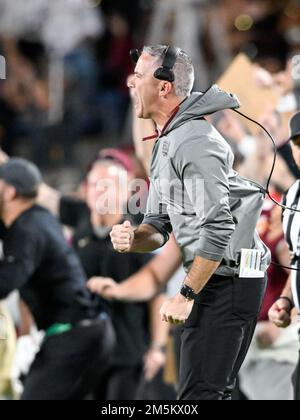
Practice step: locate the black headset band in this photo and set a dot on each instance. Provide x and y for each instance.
(170, 57)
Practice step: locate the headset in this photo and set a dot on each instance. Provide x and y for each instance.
(165, 72)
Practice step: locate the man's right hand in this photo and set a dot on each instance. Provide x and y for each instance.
(122, 237)
(280, 313)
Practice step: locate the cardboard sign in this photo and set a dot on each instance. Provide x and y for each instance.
(241, 79)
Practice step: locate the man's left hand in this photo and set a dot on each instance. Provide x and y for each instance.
(176, 310)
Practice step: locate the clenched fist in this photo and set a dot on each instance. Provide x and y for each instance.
(122, 237)
(280, 313)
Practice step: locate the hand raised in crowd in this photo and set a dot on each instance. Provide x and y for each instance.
(122, 237)
(282, 83)
(231, 127)
(281, 314)
(154, 360)
(104, 286)
(263, 78)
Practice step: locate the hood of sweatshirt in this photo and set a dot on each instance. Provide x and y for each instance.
(199, 105)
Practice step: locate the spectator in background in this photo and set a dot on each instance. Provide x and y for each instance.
(138, 327)
(24, 102)
(258, 163)
(115, 68)
(125, 8)
(51, 281)
(137, 330)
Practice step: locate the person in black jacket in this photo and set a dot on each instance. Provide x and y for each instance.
(39, 263)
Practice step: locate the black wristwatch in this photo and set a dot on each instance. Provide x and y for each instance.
(188, 292)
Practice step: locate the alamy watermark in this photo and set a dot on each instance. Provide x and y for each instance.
(174, 197)
(296, 67)
(3, 327)
(2, 68)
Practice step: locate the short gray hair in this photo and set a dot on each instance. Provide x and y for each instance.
(183, 69)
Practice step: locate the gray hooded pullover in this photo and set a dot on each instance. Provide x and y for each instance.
(195, 192)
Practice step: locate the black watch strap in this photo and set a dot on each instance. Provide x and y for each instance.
(188, 292)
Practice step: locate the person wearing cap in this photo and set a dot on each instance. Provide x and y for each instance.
(39, 263)
(282, 310)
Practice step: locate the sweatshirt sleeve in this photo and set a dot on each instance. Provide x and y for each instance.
(156, 214)
(203, 166)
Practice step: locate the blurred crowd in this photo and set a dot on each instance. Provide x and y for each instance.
(66, 89)
(61, 90)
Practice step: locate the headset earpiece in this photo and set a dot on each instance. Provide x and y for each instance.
(165, 72)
